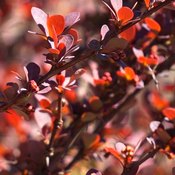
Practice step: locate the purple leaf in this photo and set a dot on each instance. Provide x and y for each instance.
(33, 71)
(72, 18)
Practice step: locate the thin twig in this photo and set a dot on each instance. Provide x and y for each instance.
(57, 123)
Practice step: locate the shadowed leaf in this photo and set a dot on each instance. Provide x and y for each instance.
(33, 71)
(114, 44)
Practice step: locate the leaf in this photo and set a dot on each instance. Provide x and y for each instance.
(137, 52)
(147, 61)
(93, 172)
(120, 147)
(40, 18)
(169, 113)
(94, 45)
(152, 24)
(44, 102)
(116, 4)
(114, 44)
(129, 34)
(72, 18)
(55, 25)
(147, 3)
(67, 40)
(154, 125)
(60, 79)
(74, 34)
(33, 71)
(125, 14)
(104, 31)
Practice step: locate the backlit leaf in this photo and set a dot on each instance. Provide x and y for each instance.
(152, 24)
(125, 14)
(147, 3)
(169, 113)
(55, 25)
(129, 34)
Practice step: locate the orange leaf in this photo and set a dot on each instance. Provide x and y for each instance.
(169, 113)
(130, 74)
(127, 73)
(147, 3)
(55, 25)
(157, 101)
(125, 14)
(152, 24)
(129, 34)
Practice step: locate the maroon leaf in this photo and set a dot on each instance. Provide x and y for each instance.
(33, 71)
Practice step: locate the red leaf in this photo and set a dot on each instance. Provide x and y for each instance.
(125, 14)
(169, 113)
(60, 79)
(73, 33)
(152, 24)
(55, 25)
(147, 61)
(129, 34)
(147, 3)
